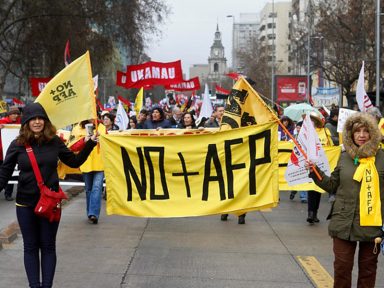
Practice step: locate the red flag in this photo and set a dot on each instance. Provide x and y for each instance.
(99, 104)
(37, 85)
(221, 90)
(234, 75)
(125, 101)
(67, 54)
(154, 73)
(17, 101)
(185, 85)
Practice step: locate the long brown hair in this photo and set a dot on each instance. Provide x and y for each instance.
(26, 136)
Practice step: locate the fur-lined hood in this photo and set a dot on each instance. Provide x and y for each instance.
(368, 149)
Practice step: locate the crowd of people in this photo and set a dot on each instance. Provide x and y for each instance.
(361, 139)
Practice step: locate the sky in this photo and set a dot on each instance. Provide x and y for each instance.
(188, 32)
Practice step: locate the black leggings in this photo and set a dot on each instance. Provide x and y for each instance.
(38, 235)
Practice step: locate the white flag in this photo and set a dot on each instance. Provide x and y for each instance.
(206, 107)
(122, 119)
(310, 144)
(362, 98)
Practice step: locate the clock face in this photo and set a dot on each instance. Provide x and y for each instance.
(216, 52)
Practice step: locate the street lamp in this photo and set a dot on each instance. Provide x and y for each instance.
(233, 41)
(273, 53)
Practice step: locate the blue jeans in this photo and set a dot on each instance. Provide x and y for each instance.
(303, 196)
(39, 235)
(93, 188)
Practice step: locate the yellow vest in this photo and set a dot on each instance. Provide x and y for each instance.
(94, 161)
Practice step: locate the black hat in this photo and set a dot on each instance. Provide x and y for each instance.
(32, 111)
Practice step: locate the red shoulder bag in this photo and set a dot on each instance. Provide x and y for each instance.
(49, 205)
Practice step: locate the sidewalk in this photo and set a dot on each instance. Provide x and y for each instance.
(204, 252)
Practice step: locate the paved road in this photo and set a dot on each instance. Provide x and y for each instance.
(129, 252)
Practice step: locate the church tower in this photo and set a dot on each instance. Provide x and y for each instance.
(217, 61)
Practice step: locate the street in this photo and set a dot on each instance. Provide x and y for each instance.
(132, 252)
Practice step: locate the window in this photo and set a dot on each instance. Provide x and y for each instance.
(215, 67)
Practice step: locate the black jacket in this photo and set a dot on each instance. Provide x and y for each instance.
(47, 156)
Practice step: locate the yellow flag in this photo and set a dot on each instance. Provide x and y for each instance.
(139, 101)
(245, 107)
(69, 97)
(3, 107)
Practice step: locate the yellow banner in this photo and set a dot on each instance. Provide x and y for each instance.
(245, 107)
(285, 150)
(69, 97)
(191, 175)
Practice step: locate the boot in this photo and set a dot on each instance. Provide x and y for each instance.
(311, 218)
(315, 219)
(224, 217)
(241, 219)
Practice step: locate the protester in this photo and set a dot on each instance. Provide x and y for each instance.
(289, 125)
(357, 201)
(39, 235)
(187, 121)
(157, 120)
(109, 122)
(141, 118)
(331, 125)
(215, 121)
(132, 122)
(303, 194)
(175, 118)
(93, 172)
(13, 117)
(314, 197)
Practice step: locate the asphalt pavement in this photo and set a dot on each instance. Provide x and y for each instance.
(130, 252)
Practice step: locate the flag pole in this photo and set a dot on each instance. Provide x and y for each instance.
(288, 133)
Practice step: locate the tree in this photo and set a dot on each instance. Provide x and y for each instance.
(258, 67)
(33, 34)
(347, 32)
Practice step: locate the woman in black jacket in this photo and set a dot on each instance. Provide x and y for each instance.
(39, 235)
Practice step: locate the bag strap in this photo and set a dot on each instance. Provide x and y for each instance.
(36, 169)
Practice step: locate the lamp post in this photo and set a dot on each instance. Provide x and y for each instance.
(378, 53)
(233, 41)
(309, 51)
(273, 53)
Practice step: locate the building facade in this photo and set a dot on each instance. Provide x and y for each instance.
(245, 30)
(274, 34)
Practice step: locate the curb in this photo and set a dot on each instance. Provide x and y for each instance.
(9, 233)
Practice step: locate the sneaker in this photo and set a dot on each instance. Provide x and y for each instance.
(304, 201)
(93, 219)
(9, 198)
(292, 195)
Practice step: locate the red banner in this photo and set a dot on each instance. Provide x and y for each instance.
(186, 85)
(154, 73)
(221, 90)
(37, 85)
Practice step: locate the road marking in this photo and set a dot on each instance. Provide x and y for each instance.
(318, 275)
